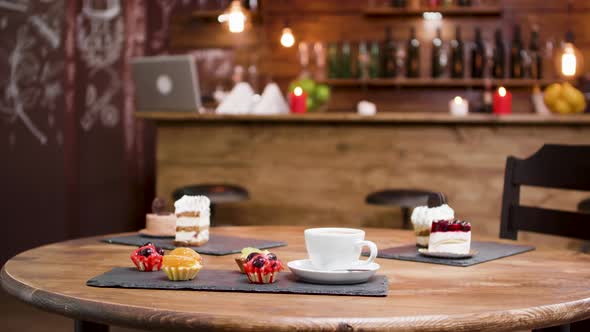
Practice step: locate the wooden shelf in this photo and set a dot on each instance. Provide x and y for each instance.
(445, 11)
(435, 82)
(207, 14)
(382, 117)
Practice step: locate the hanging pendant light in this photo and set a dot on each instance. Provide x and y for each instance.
(287, 37)
(569, 61)
(236, 16)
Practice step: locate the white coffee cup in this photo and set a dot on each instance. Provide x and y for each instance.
(337, 248)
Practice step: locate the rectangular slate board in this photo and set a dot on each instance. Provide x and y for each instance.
(487, 251)
(218, 245)
(233, 281)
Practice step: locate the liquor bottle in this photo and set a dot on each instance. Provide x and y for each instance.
(499, 57)
(487, 97)
(464, 3)
(516, 65)
(398, 3)
(333, 61)
(374, 60)
(536, 68)
(437, 54)
(413, 55)
(362, 68)
(457, 63)
(477, 56)
(388, 51)
(345, 61)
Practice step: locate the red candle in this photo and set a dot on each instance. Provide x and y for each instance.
(502, 101)
(298, 100)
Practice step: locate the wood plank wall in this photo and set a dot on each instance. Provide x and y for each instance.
(319, 174)
(333, 20)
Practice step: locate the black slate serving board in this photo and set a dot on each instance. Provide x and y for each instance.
(487, 251)
(233, 281)
(218, 245)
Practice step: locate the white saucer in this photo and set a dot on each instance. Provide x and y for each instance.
(303, 270)
(438, 254)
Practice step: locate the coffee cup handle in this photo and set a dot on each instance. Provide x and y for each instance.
(372, 248)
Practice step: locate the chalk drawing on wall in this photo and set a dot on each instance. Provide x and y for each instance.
(100, 41)
(32, 82)
(100, 104)
(158, 39)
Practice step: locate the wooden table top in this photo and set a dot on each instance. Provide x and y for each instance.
(540, 288)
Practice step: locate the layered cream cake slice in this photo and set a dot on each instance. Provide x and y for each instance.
(192, 221)
(450, 236)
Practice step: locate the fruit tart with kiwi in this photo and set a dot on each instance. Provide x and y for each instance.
(148, 258)
(263, 268)
(182, 264)
(247, 254)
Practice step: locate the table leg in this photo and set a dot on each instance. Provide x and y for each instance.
(560, 328)
(85, 326)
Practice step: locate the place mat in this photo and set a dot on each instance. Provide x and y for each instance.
(218, 245)
(487, 251)
(233, 281)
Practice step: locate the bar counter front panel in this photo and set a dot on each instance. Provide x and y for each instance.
(317, 169)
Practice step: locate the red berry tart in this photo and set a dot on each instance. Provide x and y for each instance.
(262, 268)
(148, 257)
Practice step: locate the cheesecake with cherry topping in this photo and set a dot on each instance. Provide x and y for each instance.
(450, 236)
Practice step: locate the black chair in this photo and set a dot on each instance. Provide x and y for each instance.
(217, 193)
(584, 206)
(405, 199)
(553, 166)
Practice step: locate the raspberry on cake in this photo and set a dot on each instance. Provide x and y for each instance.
(247, 254)
(450, 236)
(148, 257)
(262, 268)
(192, 221)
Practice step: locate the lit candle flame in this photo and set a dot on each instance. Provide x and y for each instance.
(298, 91)
(458, 100)
(502, 91)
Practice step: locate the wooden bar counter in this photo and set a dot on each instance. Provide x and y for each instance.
(316, 169)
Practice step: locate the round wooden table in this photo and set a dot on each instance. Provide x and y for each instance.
(531, 290)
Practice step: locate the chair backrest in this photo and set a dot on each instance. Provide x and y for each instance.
(553, 166)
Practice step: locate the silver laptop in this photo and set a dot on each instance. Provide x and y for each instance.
(166, 83)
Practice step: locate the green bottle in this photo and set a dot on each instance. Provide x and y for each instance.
(375, 60)
(346, 61)
(333, 61)
(363, 60)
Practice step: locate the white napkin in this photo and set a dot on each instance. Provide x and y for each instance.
(272, 101)
(238, 101)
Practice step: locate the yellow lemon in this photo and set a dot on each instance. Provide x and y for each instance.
(561, 106)
(552, 93)
(574, 97)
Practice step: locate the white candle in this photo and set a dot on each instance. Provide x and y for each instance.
(459, 106)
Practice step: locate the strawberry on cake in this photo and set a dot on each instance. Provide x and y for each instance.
(450, 236)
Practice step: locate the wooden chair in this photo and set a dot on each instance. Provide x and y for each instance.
(553, 166)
